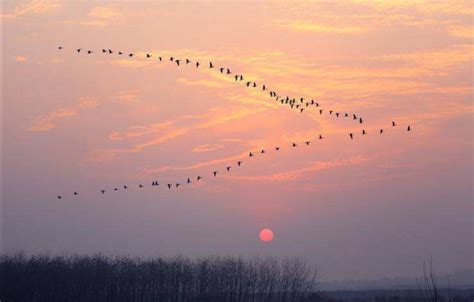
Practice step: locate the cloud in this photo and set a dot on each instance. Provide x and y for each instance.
(105, 12)
(20, 59)
(33, 7)
(207, 148)
(126, 95)
(48, 122)
(308, 26)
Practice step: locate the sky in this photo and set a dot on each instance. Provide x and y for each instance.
(375, 206)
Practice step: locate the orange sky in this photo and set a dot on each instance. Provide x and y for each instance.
(374, 206)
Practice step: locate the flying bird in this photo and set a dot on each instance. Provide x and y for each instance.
(320, 136)
(363, 132)
(263, 151)
(140, 186)
(215, 173)
(177, 62)
(294, 145)
(60, 47)
(189, 180)
(198, 178)
(59, 197)
(351, 135)
(197, 64)
(89, 51)
(115, 189)
(79, 49)
(169, 186)
(263, 87)
(228, 71)
(131, 55)
(120, 53)
(320, 111)
(222, 69)
(393, 124)
(75, 193)
(177, 184)
(148, 55)
(125, 187)
(409, 128)
(277, 148)
(188, 61)
(210, 65)
(110, 51)
(307, 143)
(381, 131)
(360, 120)
(250, 154)
(103, 191)
(228, 168)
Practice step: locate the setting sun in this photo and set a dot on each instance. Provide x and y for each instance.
(266, 235)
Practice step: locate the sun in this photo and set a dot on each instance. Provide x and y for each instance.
(266, 235)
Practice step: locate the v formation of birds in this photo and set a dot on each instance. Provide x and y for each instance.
(299, 104)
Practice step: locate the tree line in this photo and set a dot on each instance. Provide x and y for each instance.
(105, 278)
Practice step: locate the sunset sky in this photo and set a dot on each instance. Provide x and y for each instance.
(370, 207)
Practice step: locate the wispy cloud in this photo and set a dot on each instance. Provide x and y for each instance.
(32, 8)
(309, 26)
(20, 59)
(48, 121)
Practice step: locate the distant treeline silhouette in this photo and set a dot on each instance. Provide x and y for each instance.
(102, 278)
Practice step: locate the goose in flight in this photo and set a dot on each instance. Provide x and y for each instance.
(177, 62)
(131, 55)
(125, 187)
(148, 55)
(254, 84)
(236, 77)
(351, 135)
(330, 111)
(320, 136)
(171, 59)
(239, 163)
(263, 151)
(110, 51)
(263, 87)
(75, 193)
(393, 124)
(215, 173)
(360, 120)
(59, 197)
(177, 184)
(169, 186)
(89, 52)
(307, 143)
(354, 116)
(228, 71)
(160, 58)
(189, 180)
(210, 65)
(103, 191)
(294, 145)
(248, 84)
(104, 50)
(79, 49)
(188, 61)
(381, 131)
(198, 178)
(115, 189)
(228, 168)
(197, 64)
(222, 69)
(277, 148)
(301, 110)
(250, 154)
(409, 128)
(337, 114)
(363, 132)
(320, 111)
(120, 53)
(60, 47)
(140, 186)
(346, 114)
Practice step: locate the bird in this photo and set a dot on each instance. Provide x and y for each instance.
(263, 151)
(75, 193)
(125, 187)
(277, 148)
(355, 116)
(351, 135)
(250, 154)
(210, 65)
(294, 145)
(228, 71)
(393, 124)
(89, 51)
(189, 180)
(320, 111)
(160, 58)
(171, 59)
(222, 69)
(197, 64)
(228, 168)
(263, 87)
(360, 120)
(140, 186)
(148, 55)
(307, 143)
(241, 78)
(239, 163)
(236, 77)
(177, 62)
(330, 111)
(301, 110)
(320, 136)
(103, 191)
(120, 53)
(104, 50)
(188, 61)
(198, 178)
(115, 189)
(346, 114)
(59, 197)
(169, 186)
(409, 128)
(110, 51)
(177, 184)
(363, 132)
(254, 84)
(381, 131)
(337, 114)
(60, 47)
(248, 84)
(130, 55)
(79, 50)
(215, 173)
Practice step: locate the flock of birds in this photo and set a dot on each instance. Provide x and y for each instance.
(299, 104)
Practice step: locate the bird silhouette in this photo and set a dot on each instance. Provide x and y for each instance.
(250, 154)
(103, 191)
(171, 59)
(177, 184)
(222, 69)
(263, 87)
(169, 186)
(189, 180)
(239, 163)
(188, 61)
(198, 178)
(177, 62)
(409, 128)
(320, 136)
(228, 71)
(210, 65)
(59, 197)
(110, 51)
(236, 77)
(320, 111)
(307, 143)
(330, 111)
(89, 51)
(115, 189)
(104, 50)
(337, 114)
(277, 148)
(79, 50)
(228, 168)
(363, 132)
(75, 193)
(263, 151)
(346, 114)
(131, 55)
(160, 58)
(248, 84)
(393, 124)
(140, 186)
(125, 187)
(197, 64)
(215, 173)
(381, 131)
(60, 47)
(148, 55)
(254, 84)
(360, 120)
(120, 53)
(351, 135)
(301, 110)
(294, 145)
